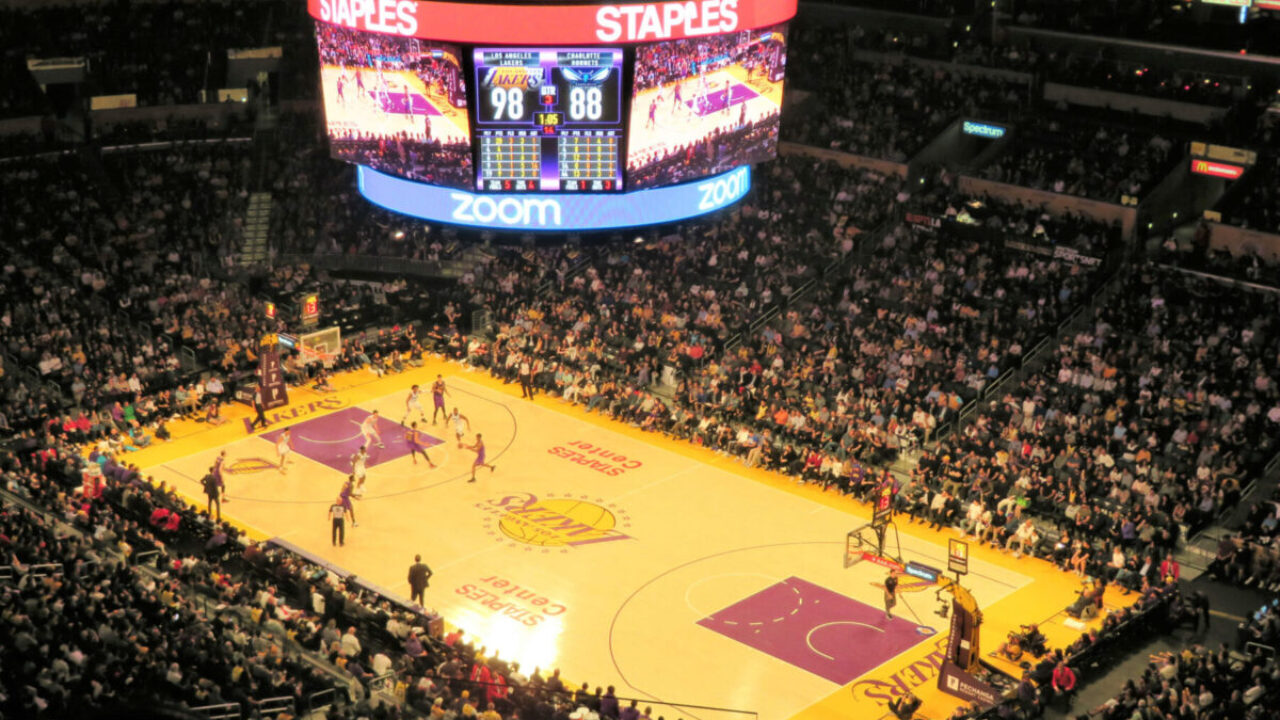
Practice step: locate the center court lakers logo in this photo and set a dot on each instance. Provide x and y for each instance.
(244, 466)
(562, 521)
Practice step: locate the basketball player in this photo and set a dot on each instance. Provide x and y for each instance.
(890, 595)
(677, 102)
(342, 88)
(653, 113)
(284, 445)
(417, 446)
(728, 95)
(344, 499)
(359, 468)
(460, 423)
(478, 448)
(369, 429)
(217, 474)
(438, 391)
(414, 403)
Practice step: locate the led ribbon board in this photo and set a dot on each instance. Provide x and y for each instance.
(554, 211)
(538, 24)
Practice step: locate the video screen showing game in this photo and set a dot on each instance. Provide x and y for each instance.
(549, 119)
(702, 106)
(396, 104)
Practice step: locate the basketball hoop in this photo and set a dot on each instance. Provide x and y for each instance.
(310, 356)
(853, 550)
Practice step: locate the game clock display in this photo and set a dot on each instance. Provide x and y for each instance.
(549, 119)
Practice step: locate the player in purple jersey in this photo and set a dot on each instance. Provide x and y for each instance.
(217, 473)
(478, 448)
(438, 391)
(417, 445)
(653, 112)
(678, 98)
(344, 498)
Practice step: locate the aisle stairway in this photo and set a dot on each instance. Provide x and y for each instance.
(257, 230)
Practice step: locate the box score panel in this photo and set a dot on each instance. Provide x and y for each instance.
(588, 160)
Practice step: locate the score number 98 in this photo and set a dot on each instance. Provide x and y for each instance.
(585, 103)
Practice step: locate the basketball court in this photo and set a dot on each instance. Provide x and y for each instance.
(700, 109)
(390, 103)
(621, 557)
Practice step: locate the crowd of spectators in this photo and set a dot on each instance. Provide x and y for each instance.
(1085, 160)
(101, 275)
(1154, 22)
(888, 109)
(1183, 85)
(1141, 427)
(1259, 208)
(119, 596)
(811, 332)
(118, 45)
(959, 43)
(1197, 683)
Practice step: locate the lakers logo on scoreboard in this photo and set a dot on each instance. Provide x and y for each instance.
(562, 521)
(524, 78)
(244, 466)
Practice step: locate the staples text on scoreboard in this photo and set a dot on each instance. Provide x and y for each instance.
(660, 21)
(551, 24)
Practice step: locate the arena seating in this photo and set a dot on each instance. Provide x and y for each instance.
(816, 333)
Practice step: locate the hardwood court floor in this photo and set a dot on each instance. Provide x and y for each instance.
(622, 557)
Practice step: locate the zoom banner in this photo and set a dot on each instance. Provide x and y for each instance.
(555, 211)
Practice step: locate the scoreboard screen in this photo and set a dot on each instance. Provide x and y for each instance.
(396, 104)
(549, 119)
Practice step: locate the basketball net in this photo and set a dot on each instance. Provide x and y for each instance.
(310, 356)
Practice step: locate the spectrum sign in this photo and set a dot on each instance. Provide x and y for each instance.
(554, 211)
(986, 130)
(1222, 170)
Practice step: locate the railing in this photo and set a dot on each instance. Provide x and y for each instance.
(45, 570)
(385, 682)
(368, 263)
(1256, 649)
(142, 557)
(322, 699)
(1004, 378)
(272, 706)
(226, 711)
(1271, 467)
